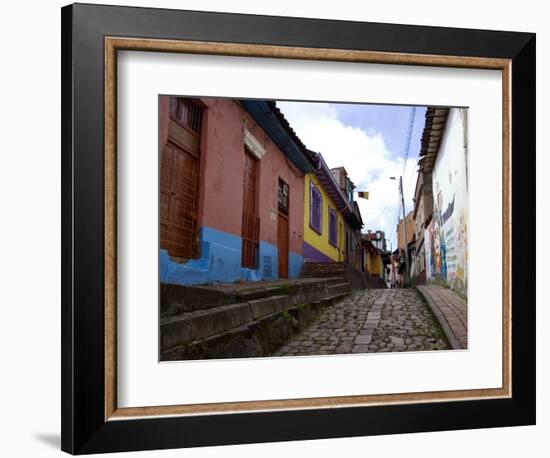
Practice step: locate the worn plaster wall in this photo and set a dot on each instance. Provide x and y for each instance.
(446, 238)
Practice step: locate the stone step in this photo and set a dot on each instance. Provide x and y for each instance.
(339, 288)
(326, 269)
(323, 269)
(332, 298)
(201, 316)
(260, 308)
(302, 290)
(259, 337)
(201, 324)
(258, 293)
(334, 280)
(198, 325)
(176, 299)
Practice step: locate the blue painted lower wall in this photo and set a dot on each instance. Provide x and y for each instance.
(295, 264)
(220, 261)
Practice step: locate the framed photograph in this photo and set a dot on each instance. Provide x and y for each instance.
(284, 228)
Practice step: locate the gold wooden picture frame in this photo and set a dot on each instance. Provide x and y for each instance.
(114, 44)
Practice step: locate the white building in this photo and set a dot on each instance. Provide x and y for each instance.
(444, 165)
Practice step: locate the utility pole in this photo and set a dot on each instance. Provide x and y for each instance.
(407, 277)
(408, 143)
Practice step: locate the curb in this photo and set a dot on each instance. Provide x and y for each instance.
(455, 344)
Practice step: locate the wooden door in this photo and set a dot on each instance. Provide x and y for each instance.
(179, 181)
(250, 222)
(178, 201)
(282, 245)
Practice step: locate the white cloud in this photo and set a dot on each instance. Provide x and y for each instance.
(365, 157)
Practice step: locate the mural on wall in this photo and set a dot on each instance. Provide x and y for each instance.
(461, 228)
(433, 258)
(446, 245)
(436, 248)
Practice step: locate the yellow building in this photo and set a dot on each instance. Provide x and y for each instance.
(372, 259)
(323, 224)
(327, 213)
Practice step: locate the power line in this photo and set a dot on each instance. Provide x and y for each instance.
(408, 179)
(401, 205)
(412, 114)
(408, 138)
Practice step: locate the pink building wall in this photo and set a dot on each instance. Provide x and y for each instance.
(222, 166)
(222, 173)
(272, 166)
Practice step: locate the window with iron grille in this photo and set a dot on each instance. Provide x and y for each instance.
(185, 113)
(315, 208)
(282, 196)
(332, 229)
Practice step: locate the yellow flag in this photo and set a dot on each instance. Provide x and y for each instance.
(363, 194)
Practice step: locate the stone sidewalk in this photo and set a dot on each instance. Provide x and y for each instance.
(375, 320)
(451, 311)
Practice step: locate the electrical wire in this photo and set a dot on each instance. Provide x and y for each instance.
(412, 115)
(408, 179)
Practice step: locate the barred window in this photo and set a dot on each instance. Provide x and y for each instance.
(282, 194)
(186, 113)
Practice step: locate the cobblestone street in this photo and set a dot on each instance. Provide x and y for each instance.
(374, 320)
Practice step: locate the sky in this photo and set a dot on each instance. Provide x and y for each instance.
(370, 142)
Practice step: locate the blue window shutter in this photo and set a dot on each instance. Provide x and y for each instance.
(319, 210)
(315, 208)
(311, 206)
(332, 226)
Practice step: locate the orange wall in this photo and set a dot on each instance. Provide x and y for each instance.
(410, 231)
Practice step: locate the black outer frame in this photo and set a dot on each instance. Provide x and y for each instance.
(84, 429)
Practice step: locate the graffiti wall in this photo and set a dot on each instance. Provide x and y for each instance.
(446, 237)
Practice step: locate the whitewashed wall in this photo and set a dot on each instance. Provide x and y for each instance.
(447, 235)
